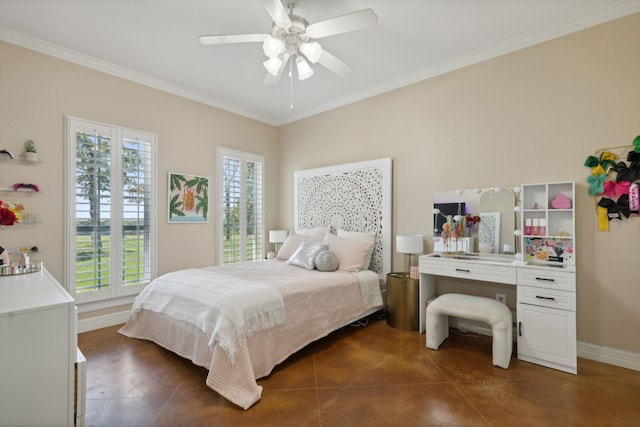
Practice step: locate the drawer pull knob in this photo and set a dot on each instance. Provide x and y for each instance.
(462, 270)
(547, 298)
(545, 279)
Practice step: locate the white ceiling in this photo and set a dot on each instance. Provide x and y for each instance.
(154, 42)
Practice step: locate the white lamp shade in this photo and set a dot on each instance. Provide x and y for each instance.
(410, 244)
(272, 47)
(312, 51)
(277, 236)
(273, 65)
(304, 69)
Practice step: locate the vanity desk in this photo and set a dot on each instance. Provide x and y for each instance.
(535, 223)
(546, 301)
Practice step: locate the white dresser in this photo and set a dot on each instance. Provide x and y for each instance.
(38, 350)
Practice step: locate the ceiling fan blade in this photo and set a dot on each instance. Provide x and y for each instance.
(342, 24)
(230, 38)
(335, 65)
(270, 79)
(277, 12)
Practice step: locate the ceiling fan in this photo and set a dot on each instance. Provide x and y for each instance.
(291, 40)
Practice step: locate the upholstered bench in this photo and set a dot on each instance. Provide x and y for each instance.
(485, 310)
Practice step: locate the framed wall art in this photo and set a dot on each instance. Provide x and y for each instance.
(188, 198)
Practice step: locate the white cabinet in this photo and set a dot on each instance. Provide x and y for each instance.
(547, 336)
(38, 350)
(546, 307)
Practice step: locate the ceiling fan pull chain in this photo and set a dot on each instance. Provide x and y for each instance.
(290, 85)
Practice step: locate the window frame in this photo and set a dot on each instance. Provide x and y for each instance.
(115, 293)
(245, 157)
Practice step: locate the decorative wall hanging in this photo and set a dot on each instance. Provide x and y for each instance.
(188, 198)
(615, 174)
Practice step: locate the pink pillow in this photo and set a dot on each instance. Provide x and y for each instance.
(351, 253)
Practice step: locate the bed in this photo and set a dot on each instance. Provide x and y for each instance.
(283, 304)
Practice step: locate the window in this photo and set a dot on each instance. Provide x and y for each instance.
(240, 218)
(110, 218)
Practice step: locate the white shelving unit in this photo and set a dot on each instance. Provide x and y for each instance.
(547, 283)
(557, 243)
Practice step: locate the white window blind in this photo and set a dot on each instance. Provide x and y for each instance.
(241, 221)
(110, 221)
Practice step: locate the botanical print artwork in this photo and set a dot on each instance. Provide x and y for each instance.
(188, 198)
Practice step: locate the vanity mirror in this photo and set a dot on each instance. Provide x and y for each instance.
(494, 233)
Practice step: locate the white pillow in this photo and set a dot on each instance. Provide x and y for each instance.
(306, 253)
(291, 244)
(350, 252)
(362, 235)
(317, 231)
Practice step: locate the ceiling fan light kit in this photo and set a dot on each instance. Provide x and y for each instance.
(272, 46)
(312, 50)
(291, 35)
(304, 69)
(273, 65)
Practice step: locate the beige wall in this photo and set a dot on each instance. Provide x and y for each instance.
(530, 116)
(527, 117)
(37, 91)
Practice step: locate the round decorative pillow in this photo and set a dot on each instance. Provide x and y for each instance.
(326, 261)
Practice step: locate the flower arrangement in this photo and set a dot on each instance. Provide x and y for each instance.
(7, 214)
(459, 226)
(472, 219)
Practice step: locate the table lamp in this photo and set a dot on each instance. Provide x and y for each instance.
(410, 244)
(278, 237)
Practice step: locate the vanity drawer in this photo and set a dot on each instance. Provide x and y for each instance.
(547, 297)
(547, 278)
(468, 270)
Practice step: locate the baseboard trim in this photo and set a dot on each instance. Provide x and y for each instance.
(611, 356)
(103, 321)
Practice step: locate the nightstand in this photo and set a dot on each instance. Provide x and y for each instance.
(402, 301)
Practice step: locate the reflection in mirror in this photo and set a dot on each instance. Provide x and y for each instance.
(495, 207)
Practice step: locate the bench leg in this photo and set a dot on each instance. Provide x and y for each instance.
(437, 329)
(502, 346)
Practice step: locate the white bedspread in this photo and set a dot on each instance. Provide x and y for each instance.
(316, 304)
(226, 308)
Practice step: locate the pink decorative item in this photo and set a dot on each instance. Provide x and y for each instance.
(561, 202)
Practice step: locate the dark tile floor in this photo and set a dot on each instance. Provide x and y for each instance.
(358, 376)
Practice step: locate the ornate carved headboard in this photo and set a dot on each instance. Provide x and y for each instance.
(353, 197)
